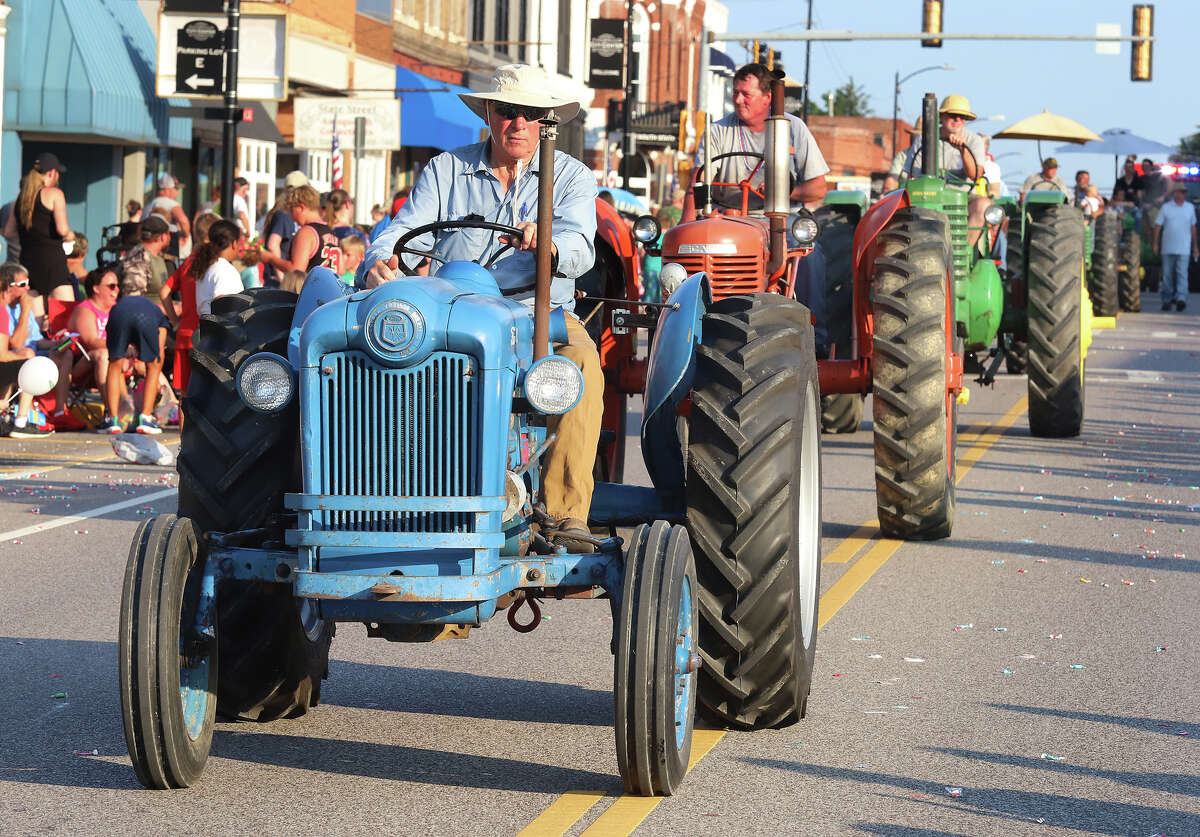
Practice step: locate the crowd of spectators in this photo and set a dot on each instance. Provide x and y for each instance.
(173, 265)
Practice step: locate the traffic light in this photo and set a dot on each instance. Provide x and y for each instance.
(931, 22)
(762, 53)
(776, 60)
(1141, 60)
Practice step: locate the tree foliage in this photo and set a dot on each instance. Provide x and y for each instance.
(1189, 146)
(848, 100)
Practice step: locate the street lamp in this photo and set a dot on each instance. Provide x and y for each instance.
(896, 96)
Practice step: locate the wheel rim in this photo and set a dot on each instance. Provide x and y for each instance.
(194, 671)
(809, 501)
(685, 678)
(311, 620)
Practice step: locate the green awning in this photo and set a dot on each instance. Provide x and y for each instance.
(86, 67)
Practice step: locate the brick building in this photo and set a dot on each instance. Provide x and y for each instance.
(857, 145)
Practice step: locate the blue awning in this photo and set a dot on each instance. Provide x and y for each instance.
(86, 67)
(437, 119)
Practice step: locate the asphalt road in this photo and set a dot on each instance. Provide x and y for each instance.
(1034, 674)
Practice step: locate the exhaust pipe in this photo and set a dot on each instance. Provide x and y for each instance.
(545, 224)
(931, 134)
(778, 176)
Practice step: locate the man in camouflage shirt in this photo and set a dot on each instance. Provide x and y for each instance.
(144, 270)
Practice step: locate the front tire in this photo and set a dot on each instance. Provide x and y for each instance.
(1056, 237)
(914, 410)
(167, 669)
(654, 679)
(754, 509)
(234, 467)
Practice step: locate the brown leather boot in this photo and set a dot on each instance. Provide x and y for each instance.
(572, 534)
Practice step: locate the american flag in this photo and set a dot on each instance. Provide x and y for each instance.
(336, 176)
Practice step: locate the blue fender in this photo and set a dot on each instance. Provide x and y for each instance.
(669, 374)
(321, 285)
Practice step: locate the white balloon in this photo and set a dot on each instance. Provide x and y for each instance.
(38, 376)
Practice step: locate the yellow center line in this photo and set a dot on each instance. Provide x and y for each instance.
(628, 812)
(848, 548)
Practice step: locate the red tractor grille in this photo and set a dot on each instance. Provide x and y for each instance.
(729, 275)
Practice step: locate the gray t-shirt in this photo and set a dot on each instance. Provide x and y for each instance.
(730, 134)
(951, 158)
(1040, 183)
(163, 207)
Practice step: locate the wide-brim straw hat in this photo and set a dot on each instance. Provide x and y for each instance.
(520, 84)
(956, 105)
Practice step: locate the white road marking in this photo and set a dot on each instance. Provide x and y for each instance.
(1136, 375)
(1165, 335)
(56, 522)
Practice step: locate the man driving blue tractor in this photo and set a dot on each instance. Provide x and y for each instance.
(496, 180)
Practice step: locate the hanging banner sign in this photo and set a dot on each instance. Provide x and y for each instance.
(607, 53)
(315, 120)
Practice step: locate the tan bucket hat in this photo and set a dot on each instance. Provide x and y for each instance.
(520, 84)
(956, 105)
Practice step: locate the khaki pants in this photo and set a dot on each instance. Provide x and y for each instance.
(567, 470)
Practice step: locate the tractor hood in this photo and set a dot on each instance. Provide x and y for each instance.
(404, 321)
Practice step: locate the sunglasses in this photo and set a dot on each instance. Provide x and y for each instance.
(24, 283)
(506, 111)
(112, 286)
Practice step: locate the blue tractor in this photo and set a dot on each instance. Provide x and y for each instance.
(385, 471)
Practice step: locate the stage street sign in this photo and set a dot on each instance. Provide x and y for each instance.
(200, 59)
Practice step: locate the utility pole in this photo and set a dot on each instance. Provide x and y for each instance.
(626, 132)
(807, 60)
(229, 129)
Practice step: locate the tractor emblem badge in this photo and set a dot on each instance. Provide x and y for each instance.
(395, 330)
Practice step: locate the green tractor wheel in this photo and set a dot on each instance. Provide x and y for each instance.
(914, 412)
(841, 412)
(234, 467)
(1056, 237)
(1103, 287)
(1129, 275)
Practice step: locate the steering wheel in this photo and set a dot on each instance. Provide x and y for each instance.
(727, 154)
(437, 226)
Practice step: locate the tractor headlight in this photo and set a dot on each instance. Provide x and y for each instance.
(646, 229)
(265, 383)
(670, 277)
(553, 385)
(804, 229)
(993, 214)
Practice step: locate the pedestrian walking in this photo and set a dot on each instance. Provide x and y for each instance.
(166, 206)
(1175, 239)
(39, 220)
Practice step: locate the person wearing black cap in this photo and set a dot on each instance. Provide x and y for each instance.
(39, 219)
(144, 269)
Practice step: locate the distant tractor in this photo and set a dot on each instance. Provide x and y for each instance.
(374, 457)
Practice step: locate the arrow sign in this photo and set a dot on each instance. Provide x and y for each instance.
(200, 58)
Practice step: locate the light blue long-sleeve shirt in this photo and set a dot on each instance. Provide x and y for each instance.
(460, 182)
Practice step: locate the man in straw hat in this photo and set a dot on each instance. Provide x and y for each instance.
(496, 180)
(961, 152)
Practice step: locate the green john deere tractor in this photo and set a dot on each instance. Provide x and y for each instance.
(928, 304)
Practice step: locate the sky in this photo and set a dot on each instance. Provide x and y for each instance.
(1013, 79)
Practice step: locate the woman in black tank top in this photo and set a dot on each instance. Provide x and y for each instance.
(39, 219)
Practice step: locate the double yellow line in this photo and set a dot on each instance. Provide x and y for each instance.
(626, 813)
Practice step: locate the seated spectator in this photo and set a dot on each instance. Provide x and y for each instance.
(212, 266)
(20, 323)
(377, 214)
(144, 268)
(353, 249)
(293, 281)
(75, 262)
(14, 286)
(90, 319)
(137, 329)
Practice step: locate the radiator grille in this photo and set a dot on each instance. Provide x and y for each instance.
(399, 433)
(960, 249)
(729, 275)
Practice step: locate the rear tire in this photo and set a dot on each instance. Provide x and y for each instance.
(1129, 276)
(840, 412)
(1016, 346)
(234, 467)
(754, 509)
(1103, 287)
(914, 412)
(1056, 239)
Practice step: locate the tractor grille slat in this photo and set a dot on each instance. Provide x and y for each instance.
(399, 433)
(730, 275)
(960, 250)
